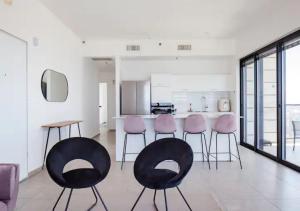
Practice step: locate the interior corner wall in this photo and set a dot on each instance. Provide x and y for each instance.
(273, 24)
(58, 48)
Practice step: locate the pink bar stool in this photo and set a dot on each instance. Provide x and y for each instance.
(133, 125)
(225, 125)
(196, 124)
(165, 124)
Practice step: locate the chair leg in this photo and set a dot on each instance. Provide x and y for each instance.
(60, 195)
(100, 198)
(68, 202)
(184, 198)
(206, 150)
(184, 136)
(229, 147)
(93, 205)
(173, 135)
(294, 143)
(166, 202)
(155, 136)
(202, 151)
(124, 151)
(154, 200)
(216, 150)
(211, 133)
(144, 135)
(138, 199)
(237, 148)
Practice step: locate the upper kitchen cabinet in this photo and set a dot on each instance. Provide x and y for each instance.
(203, 82)
(161, 88)
(161, 80)
(161, 94)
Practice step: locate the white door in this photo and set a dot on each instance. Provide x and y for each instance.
(13, 102)
(103, 103)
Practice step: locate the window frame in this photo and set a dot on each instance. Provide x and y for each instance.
(278, 45)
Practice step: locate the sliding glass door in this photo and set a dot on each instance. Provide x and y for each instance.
(267, 102)
(291, 72)
(248, 116)
(270, 101)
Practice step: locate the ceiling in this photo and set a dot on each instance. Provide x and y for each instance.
(157, 19)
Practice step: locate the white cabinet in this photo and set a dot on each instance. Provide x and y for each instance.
(204, 82)
(161, 94)
(161, 80)
(163, 85)
(161, 89)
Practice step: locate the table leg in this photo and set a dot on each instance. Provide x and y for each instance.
(79, 129)
(46, 147)
(70, 127)
(59, 135)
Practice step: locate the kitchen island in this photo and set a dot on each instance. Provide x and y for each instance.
(135, 142)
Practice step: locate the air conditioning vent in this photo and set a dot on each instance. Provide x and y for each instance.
(133, 48)
(185, 47)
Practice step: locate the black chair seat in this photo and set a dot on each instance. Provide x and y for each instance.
(80, 148)
(147, 173)
(74, 178)
(158, 178)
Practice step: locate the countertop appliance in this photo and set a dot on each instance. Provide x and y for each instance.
(135, 97)
(162, 108)
(224, 105)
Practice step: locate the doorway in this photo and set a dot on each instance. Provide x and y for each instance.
(13, 106)
(103, 104)
(107, 93)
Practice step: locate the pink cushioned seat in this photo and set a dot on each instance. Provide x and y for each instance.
(195, 123)
(134, 124)
(225, 124)
(165, 123)
(9, 186)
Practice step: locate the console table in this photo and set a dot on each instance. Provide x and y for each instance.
(59, 125)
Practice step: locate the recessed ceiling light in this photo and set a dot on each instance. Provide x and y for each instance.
(8, 2)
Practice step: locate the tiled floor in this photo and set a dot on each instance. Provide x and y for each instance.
(262, 185)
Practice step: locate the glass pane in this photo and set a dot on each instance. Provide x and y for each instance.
(249, 102)
(291, 61)
(267, 102)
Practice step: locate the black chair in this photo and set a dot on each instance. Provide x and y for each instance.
(78, 148)
(296, 130)
(149, 176)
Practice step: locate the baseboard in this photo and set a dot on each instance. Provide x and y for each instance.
(34, 172)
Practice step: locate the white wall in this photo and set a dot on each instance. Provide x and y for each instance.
(141, 68)
(201, 47)
(58, 49)
(90, 97)
(268, 27)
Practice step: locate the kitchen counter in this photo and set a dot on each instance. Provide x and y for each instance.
(182, 115)
(135, 142)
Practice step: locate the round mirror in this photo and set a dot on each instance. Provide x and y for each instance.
(54, 86)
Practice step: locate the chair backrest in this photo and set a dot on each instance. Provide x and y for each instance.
(195, 123)
(76, 148)
(161, 150)
(134, 124)
(165, 123)
(296, 128)
(225, 123)
(9, 184)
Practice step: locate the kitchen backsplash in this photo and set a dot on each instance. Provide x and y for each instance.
(182, 100)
